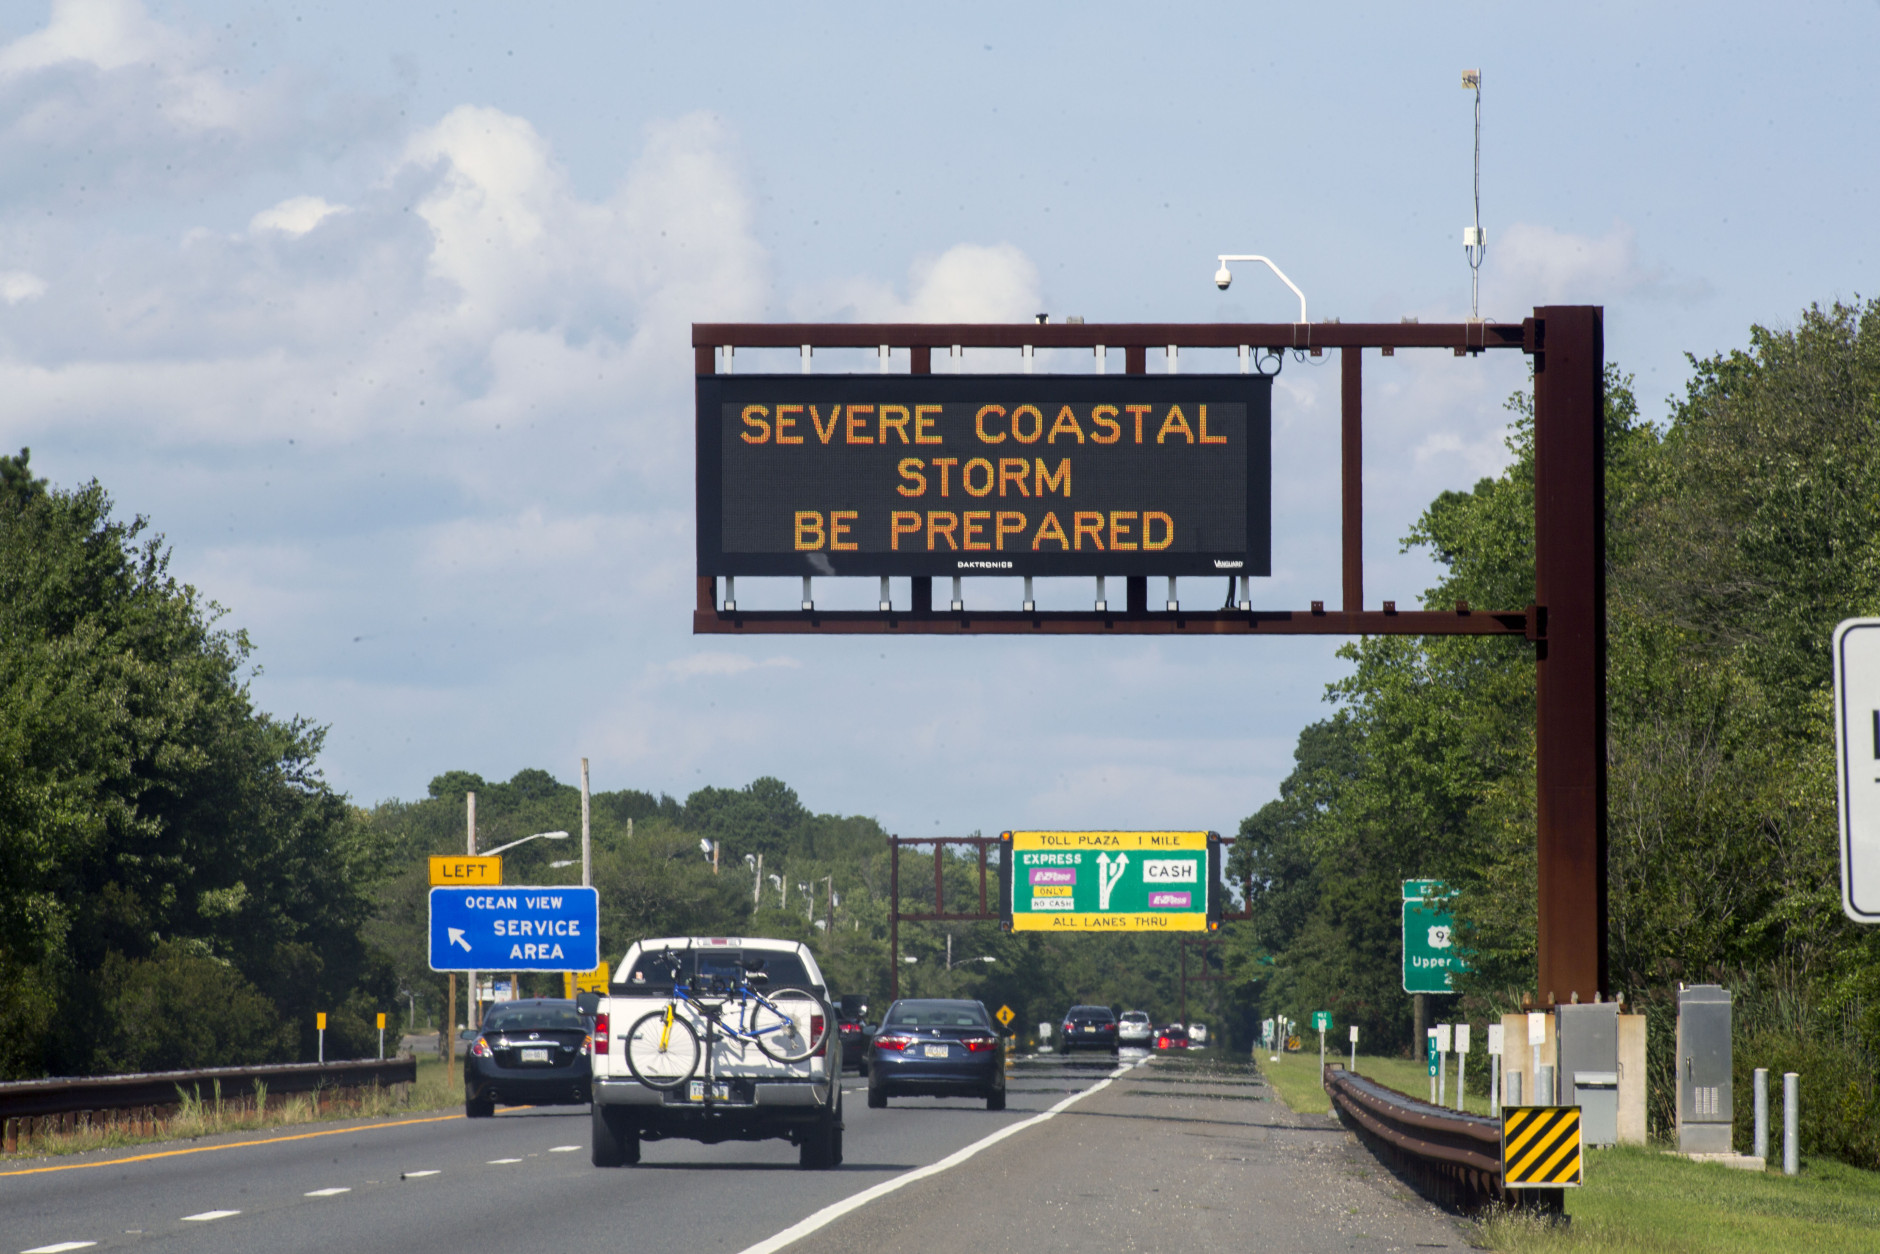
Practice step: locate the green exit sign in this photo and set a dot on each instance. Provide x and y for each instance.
(1322, 1020)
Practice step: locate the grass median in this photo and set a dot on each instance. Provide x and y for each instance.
(1641, 1200)
(191, 1119)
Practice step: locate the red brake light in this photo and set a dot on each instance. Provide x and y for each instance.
(480, 1048)
(896, 1043)
(815, 1027)
(600, 1034)
(980, 1044)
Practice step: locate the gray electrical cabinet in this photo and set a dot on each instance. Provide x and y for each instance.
(1588, 1070)
(1705, 1108)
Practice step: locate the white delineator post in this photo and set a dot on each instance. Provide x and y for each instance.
(1494, 1070)
(1321, 1057)
(1791, 1123)
(1462, 1062)
(1354, 1049)
(1537, 1030)
(1442, 1064)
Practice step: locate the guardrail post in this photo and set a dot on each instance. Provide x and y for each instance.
(1791, 1123)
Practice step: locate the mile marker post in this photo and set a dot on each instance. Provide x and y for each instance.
(319, 1023)
(1354, 1049)
(1442, 1063)
(1429, 1052)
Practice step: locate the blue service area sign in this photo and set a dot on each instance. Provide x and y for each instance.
(515, 929)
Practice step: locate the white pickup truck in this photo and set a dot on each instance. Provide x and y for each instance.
(717, 1038)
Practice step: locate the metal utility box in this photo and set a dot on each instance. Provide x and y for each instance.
(1589, 1047)
(1705, 1109)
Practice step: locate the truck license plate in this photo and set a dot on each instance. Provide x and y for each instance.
(535, 1055)
(936, 1051)
(720, 1091)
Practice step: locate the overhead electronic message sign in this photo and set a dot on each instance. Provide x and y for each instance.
(984, 475)
(1111, 881)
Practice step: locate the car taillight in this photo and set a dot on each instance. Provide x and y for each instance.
(896, 1043)
(1070, 1027)
(480, 1048)
(1161, 1042)
(980, 1044)
(815, 1027)
(600, 1034)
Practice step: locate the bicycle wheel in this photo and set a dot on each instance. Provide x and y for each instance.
(661, 1057)
(789, 1026)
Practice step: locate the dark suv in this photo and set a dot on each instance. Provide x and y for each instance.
(1089, 1027)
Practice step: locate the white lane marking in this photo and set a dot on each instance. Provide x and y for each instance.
(334, 1192)
(564, 1149)
(60, 1248)
(497, 1162)
(829, 1214)
(413, 1175)
(209, 1215)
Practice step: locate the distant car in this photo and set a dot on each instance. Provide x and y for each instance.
(1174, 1036)
(1135, 1029)
(533, 1052)
(855, 1033)
(937, 1048)
(1197, 1034)
(1089, 1027)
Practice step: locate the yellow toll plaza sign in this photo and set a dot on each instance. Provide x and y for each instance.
(594, 981)
(1005, 1016)
(462, 871)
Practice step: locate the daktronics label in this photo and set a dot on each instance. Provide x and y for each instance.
(984, 474)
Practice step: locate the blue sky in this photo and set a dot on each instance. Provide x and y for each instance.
(381, 314)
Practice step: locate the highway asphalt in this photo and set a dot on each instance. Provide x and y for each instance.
(439, 1182)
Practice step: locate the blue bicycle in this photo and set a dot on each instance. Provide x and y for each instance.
(663, 1049)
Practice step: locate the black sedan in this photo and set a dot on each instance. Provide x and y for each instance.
(1089, 1027)
(532, 1052)
(935, 1048)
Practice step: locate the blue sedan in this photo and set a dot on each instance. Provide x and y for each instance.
(935, 1048)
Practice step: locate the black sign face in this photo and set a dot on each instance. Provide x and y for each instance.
(984, 475)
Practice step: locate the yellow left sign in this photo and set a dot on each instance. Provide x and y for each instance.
(460, 869)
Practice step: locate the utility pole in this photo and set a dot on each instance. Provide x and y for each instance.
(587, 861)
(470, 993)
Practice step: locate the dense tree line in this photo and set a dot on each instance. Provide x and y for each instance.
(1739, 533)
(178, 886)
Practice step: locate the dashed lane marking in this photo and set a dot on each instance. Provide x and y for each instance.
(60, 1248)
(498, 1162)
(564, 1149)
(211, 1149)
(209, 1216)
(333, 1192)
(416, 1175)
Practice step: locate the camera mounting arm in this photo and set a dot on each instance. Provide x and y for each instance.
(1223, 276)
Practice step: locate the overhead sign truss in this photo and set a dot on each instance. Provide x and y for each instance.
(1564, 622)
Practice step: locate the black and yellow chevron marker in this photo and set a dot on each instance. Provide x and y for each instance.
(1540, 1147)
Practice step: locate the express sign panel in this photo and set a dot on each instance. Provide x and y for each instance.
(1110, 881)
(984, 475)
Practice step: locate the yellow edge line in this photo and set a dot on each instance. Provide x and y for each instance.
(205, 1149)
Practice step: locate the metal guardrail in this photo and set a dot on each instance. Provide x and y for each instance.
(1453, 1158)
(23, 1099)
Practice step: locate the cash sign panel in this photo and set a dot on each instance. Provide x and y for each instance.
(1110, 881)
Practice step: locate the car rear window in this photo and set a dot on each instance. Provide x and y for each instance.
(1091, 1014)
(533, 1019)
(652, 970)
(938, 1014)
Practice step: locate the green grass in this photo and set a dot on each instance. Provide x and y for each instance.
(1643, 1201)
(1296, 1078)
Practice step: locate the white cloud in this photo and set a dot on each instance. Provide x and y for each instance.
(722, 665)
(103, 34)
(966, 283)
(1540, 265)
(295, 216)
(18, 285)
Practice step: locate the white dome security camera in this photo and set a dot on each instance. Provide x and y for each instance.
(1222, 277)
